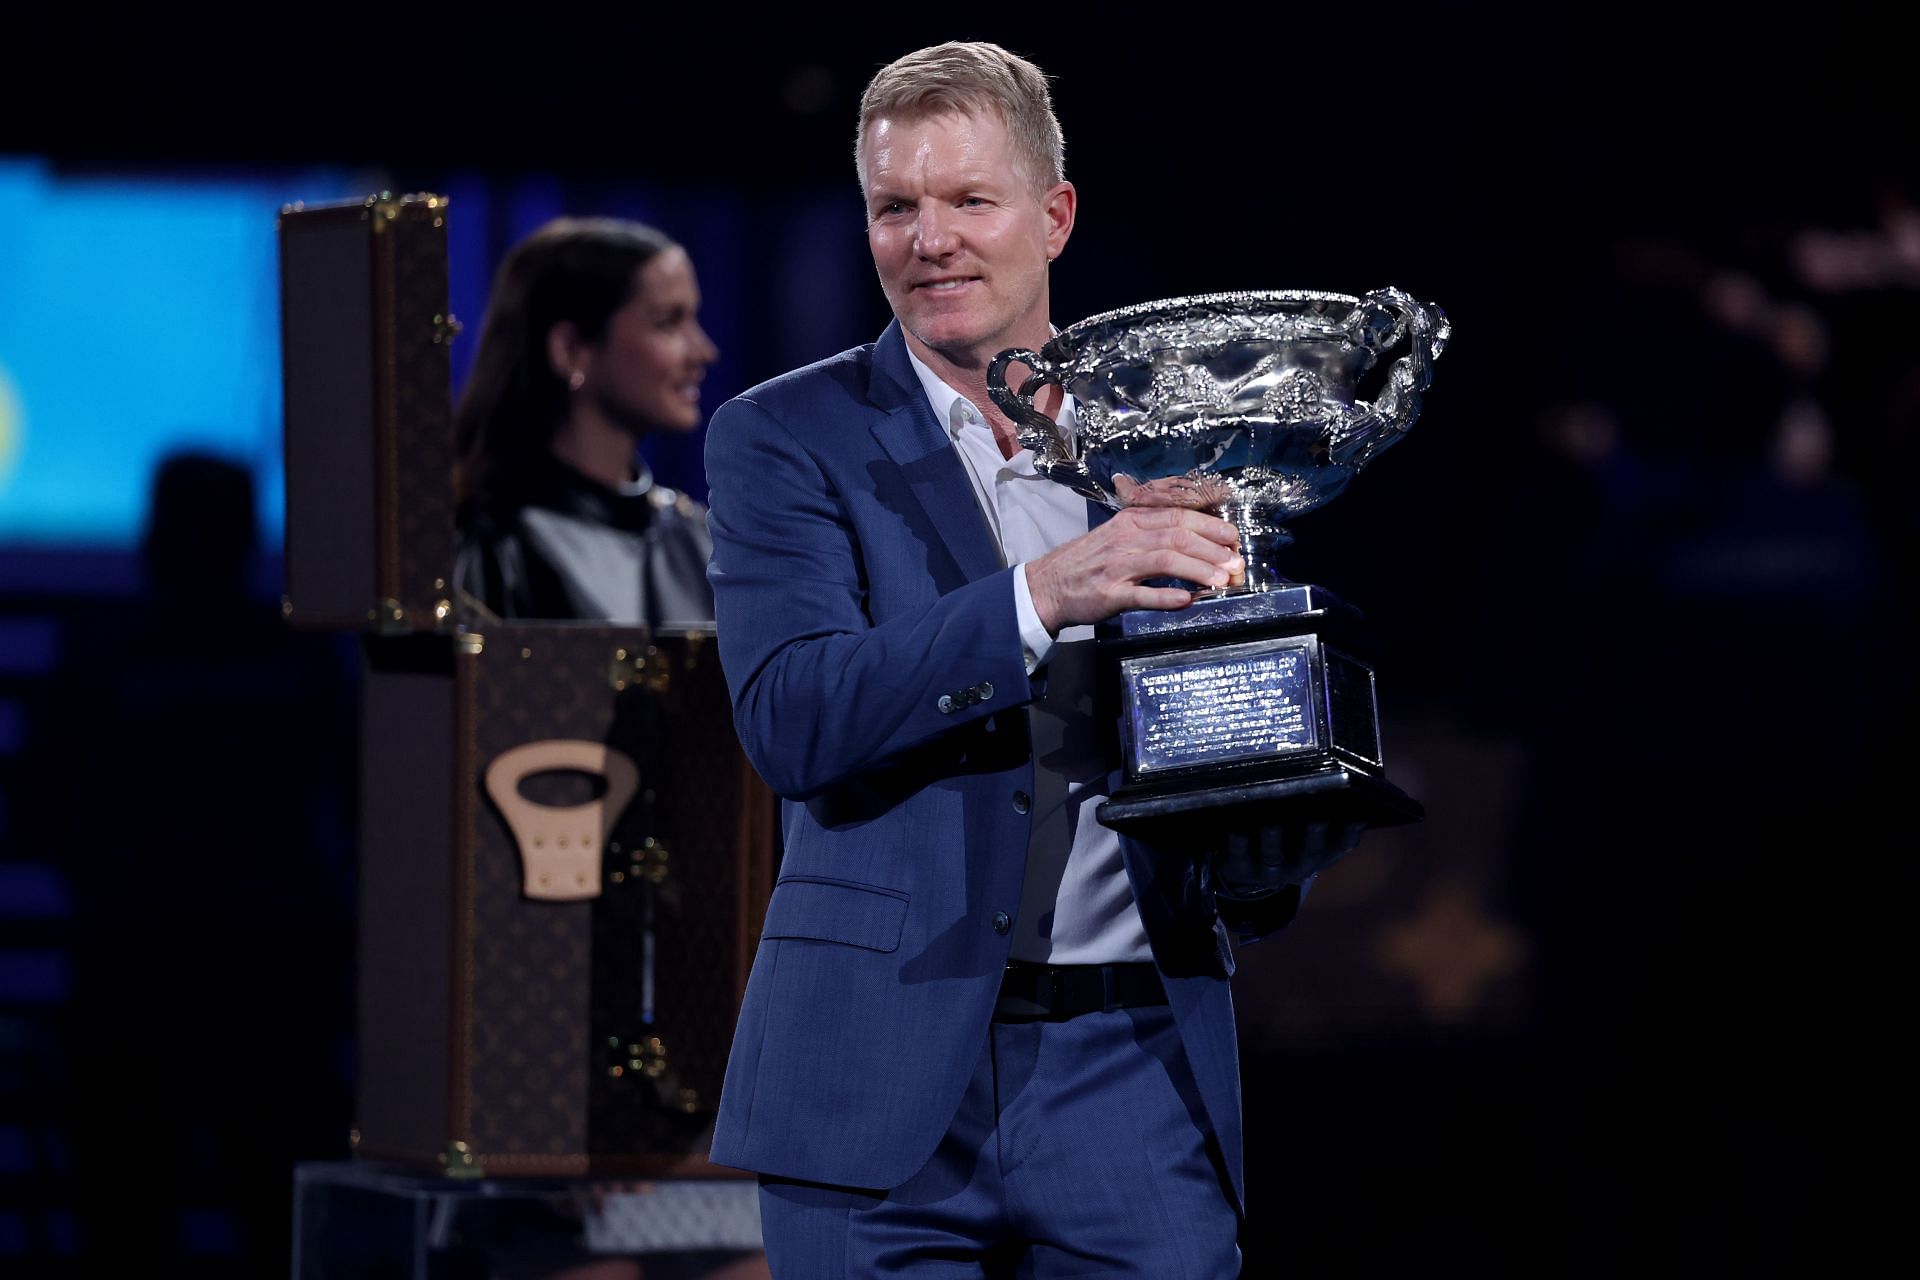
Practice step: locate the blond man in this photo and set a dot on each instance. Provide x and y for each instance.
(984, 1035)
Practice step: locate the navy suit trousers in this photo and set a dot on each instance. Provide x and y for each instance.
(1081, 1148)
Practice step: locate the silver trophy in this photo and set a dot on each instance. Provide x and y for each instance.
(1244, 405)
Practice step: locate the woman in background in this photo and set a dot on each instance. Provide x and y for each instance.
(592, 340)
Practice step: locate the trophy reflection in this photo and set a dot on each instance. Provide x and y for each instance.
(1243, 405)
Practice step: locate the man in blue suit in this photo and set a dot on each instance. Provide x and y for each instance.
(984, 1034)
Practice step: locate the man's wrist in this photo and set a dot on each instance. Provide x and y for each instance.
(1036, 642)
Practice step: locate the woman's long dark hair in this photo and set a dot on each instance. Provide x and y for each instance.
(580, 270)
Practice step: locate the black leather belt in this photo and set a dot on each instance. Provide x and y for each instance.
(1051, 993)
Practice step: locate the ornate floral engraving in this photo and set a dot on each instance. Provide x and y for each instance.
(1242, 403)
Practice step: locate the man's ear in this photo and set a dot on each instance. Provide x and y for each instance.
(1059, 206)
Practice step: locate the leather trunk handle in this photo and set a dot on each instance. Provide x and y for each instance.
(561, 845)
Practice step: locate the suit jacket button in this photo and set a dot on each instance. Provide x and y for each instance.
(1001, 922)
(1022, 802)
(986, 690)
(945, 704)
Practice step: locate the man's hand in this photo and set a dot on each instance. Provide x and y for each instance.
(1101, 572)
(1264, 860)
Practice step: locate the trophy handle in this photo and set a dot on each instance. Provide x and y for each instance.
(1018, 405)
(1053, 456)
(1382, 319)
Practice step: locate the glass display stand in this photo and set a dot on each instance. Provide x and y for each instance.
(356, 1220)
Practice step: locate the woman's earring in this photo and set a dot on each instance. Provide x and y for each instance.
(576, 379)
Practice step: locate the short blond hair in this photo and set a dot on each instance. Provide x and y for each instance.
(972, 77)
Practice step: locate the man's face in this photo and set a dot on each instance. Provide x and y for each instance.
(960, 235)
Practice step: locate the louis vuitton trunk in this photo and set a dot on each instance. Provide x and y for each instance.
(565, 862)
(365, 334)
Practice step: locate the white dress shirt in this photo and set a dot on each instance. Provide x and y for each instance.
(1077, 905)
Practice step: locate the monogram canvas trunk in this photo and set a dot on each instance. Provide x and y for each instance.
(565, 862)
(368, 434)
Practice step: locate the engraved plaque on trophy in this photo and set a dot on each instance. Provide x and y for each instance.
(1243, 405)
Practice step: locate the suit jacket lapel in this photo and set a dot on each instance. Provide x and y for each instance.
(918, 445)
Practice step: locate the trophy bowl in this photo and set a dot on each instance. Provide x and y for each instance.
(1241, 404)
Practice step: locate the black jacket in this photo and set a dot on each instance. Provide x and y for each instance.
(579, 550)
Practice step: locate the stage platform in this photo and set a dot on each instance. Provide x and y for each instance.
(366, 1221)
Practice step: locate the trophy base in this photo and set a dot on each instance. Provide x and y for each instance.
(1246, 708)
(1243, 612)
(1198, 814)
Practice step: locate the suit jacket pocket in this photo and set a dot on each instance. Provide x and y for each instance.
(859, 915)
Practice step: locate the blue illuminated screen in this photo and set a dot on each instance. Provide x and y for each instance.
(138, 316)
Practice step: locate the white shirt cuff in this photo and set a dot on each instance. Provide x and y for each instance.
(1035, 643)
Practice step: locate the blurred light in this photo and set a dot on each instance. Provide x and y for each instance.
(33, 891)
(28, 646)
(139, 316)
(47, 569)
(16, 1151)
(209, 1233)
(12, 425)
(35, 977)
(63, 1233)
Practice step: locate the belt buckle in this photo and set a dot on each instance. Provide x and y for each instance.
(1033, 998)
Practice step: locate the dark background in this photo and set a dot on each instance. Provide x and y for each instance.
(1641, 579)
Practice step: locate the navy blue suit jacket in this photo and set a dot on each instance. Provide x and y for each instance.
(856, 581)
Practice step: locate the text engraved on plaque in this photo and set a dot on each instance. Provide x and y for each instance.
(1244, 703)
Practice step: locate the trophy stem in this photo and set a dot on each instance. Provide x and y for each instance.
(1261, 541)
